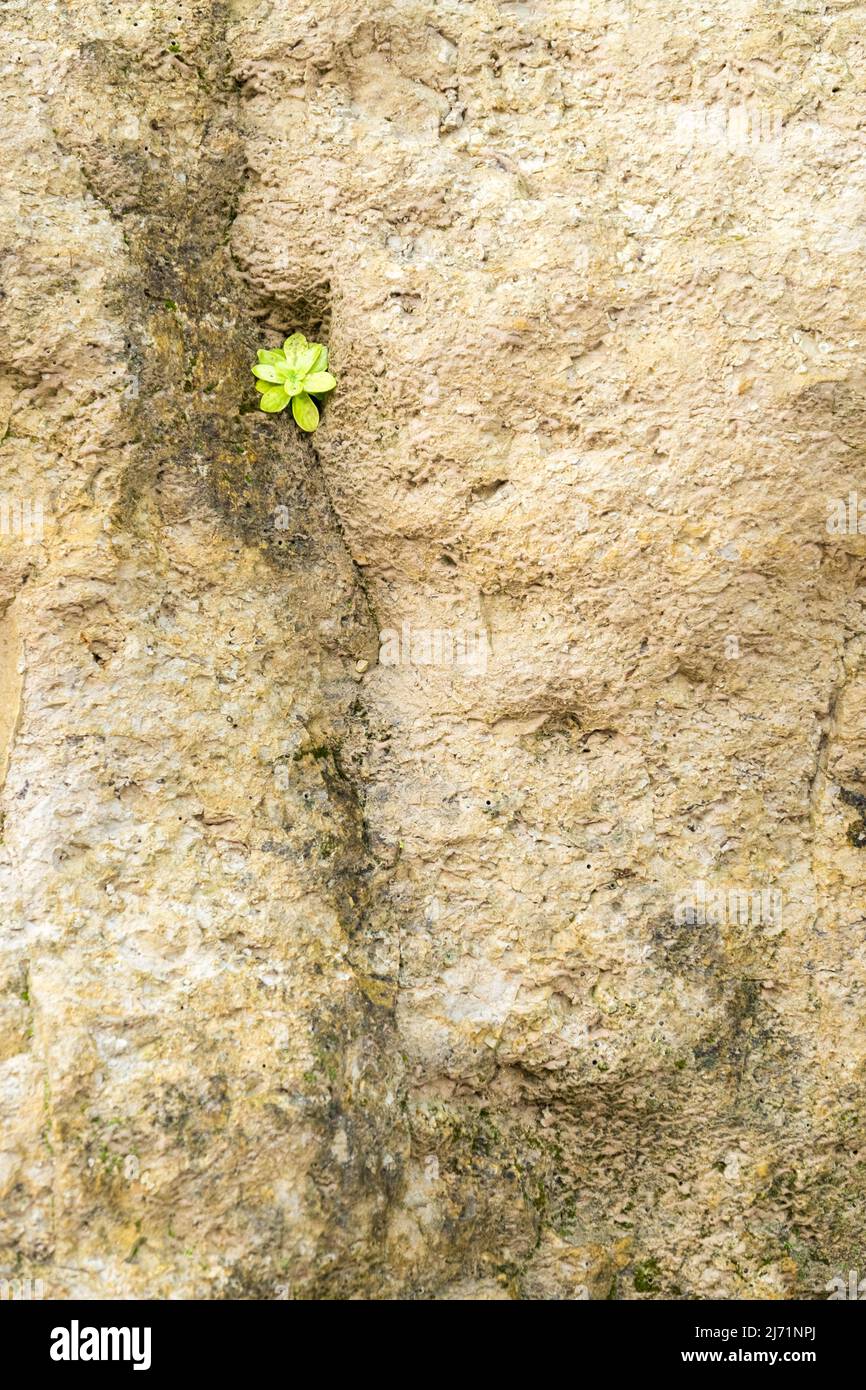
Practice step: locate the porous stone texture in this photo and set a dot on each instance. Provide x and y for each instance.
(432, 858)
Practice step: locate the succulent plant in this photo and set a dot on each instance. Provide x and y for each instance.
(296, 372)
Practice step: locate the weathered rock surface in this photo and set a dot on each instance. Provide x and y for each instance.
(528, 960)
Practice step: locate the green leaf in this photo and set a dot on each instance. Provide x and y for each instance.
(293, 346)
(264, 386)
(272, 355)
(321, 361)
(308, 355)
(274, 400)
(266, 372)
(319, 382)
(305, 412)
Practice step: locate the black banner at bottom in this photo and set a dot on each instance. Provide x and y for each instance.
(85, 1340)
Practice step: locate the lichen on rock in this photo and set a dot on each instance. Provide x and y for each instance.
(446, 975)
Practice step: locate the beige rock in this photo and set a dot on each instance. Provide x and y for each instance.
(531, 965)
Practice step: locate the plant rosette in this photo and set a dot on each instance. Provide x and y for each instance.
(296, 372)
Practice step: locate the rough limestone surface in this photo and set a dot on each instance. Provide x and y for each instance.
(432, 855)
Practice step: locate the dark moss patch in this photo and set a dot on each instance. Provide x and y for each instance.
(647, 1276)
(856, 833)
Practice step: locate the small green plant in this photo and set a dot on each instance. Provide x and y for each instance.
(295, 372)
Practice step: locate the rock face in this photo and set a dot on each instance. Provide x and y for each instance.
(433, 849)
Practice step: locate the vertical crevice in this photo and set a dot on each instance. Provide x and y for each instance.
(11, 685)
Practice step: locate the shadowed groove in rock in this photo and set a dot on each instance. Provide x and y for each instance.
(199, 448)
